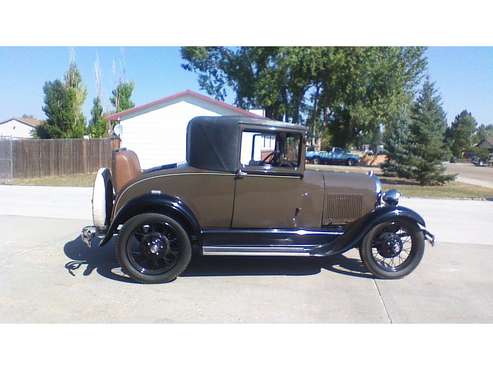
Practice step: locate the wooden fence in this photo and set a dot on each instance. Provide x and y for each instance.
(54, 157)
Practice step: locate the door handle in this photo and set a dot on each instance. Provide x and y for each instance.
(240, 174)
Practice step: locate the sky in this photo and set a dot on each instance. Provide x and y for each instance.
(463, 76)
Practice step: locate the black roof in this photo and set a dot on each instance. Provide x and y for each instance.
(486, 143)
(238, 120)
(213, 143)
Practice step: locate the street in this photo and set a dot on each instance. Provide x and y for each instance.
(471, 174)
(48, 275)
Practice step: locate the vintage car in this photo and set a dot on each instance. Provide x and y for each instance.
(244, 191)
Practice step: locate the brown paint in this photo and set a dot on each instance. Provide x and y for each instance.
(260, 201)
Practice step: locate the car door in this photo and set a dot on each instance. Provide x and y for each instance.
(336, 155)
(275, 195)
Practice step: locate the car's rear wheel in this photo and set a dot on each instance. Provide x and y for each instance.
(316, 160)
(153, 248)
(350, 162)
(393, 249)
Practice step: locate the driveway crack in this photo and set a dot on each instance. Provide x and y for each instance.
(383, 301)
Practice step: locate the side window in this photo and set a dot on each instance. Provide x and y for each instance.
(255, 147)
(267, 150)
(293, 143)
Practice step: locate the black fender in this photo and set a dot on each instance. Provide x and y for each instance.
(156, 203)
(356, 231)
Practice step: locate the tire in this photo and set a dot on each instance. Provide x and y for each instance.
(102, 198)
(408, 265)
(316, 161)
(133, 252)
(350, 162)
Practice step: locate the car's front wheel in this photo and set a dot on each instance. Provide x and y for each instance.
(393, 249)
(316, 160)
(153, 248)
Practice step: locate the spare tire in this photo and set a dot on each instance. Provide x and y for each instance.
(102, 198)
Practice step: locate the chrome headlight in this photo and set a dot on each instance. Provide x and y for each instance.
(391, 197)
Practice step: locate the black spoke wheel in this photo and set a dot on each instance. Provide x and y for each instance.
(393, 249)
(153, 248)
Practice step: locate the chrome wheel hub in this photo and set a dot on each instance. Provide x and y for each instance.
(390, 245)
(156, 244)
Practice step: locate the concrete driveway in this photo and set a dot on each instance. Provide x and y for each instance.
(48, 275)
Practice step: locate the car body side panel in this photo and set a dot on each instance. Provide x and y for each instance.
(208, 194)
(267, 201)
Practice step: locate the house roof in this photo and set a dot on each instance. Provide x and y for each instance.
(187, 93)
(33, 122)
(486, 143)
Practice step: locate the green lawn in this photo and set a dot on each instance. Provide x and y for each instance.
(453, 189)
(82, 180)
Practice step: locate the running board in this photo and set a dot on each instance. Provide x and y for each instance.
(228, 250)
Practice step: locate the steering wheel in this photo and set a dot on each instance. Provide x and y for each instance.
(274, 157)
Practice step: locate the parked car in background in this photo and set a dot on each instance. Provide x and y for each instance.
(334, 156)
(231, 198)
(310, 154)
(481, 161)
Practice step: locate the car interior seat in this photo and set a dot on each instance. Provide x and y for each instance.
(125, 166)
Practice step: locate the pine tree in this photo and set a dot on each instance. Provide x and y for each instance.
(97, 124)
(426, 138)
(460, 134)
(63, 107)
(395, 140)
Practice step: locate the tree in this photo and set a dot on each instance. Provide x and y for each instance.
(426, 139)
(121, 96)
(397, 147)
(459, 135)
(77, 94)
(63, 107)
(414, 141)
(482, 133)
(348, 90)
(98, 124)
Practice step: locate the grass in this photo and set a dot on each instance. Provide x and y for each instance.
(79, 180)
(452, 190)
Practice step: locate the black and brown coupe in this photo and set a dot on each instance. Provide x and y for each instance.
(244, 191)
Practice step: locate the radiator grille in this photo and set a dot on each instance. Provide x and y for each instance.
(342, 208)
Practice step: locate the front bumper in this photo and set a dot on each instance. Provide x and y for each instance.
(429, 237)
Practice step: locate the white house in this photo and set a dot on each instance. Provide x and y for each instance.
(156, 131)
(18, 128)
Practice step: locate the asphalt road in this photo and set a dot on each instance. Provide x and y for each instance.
(471, 174)
(48, 275)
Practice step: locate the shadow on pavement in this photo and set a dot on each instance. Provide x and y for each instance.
(103, 261)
